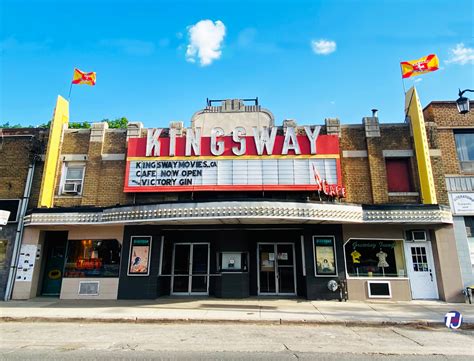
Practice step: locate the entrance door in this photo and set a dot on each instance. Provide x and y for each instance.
(421, 271)
(55, 250)
(190, 269)
(276, 269)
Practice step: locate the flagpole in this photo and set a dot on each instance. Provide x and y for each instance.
(403, 81)
(69, 96)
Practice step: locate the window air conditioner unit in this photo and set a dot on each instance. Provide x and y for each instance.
(72, 188)
(417, 236)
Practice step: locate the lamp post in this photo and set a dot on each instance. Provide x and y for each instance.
(463, 102)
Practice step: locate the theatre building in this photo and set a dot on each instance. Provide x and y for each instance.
(235, 205)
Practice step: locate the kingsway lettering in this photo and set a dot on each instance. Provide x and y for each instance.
(263, 138)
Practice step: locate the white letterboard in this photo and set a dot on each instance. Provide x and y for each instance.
(228, 172)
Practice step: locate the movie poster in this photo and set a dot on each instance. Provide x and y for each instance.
(325, 257)
(139, 256)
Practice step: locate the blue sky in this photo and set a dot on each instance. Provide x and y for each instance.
(158, 61)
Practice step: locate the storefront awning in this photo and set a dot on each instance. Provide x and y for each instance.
(242, 212)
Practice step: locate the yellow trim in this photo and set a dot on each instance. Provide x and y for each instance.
(220, 157)
(414, 110)
(60, 119)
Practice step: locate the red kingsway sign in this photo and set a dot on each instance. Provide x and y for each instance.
(264, 161)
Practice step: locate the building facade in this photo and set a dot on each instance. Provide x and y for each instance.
(236, 206)
(21, 168)
(455, 138)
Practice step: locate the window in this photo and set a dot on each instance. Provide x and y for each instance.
(375, 258)
(92, 258)
(469, 221)
(324, 256)
(12, 205)
(465, 149)
(233, 261)
(398, 174)
(73, 178)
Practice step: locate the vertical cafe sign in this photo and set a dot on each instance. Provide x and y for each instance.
(298, 159)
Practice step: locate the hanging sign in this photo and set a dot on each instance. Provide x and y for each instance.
(462, 203)
(299, 159)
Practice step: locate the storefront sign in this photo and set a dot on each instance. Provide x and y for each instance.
(263, 161)
(139, 259)
(462, 203)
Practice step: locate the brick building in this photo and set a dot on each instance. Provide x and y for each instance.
(21, 169)
(455, 140)
(235, 206)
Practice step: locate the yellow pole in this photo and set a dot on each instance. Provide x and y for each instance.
(415, 112)
(48, 182)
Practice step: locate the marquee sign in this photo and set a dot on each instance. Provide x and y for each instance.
(263, 161)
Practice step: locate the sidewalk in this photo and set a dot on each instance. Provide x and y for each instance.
(250, 310)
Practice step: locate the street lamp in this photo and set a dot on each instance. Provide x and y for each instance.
(463, 102)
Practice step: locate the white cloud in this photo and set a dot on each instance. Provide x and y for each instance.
(130, 46)
(205, 41)
(461, 55)
(417, 80)
(14, 45)
(323, 47)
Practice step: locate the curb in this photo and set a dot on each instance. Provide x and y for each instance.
(409, 324)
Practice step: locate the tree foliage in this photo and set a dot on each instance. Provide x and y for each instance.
(118, 123)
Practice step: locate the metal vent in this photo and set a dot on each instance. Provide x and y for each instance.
(89, 288)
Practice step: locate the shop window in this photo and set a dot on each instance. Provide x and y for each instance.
(73, 178)
(465, 149)
(3, 253)
(13, 206)
(398, 174)
(233, 261)
(324, 256)
(92, 258)
(375, 258)
(469, 221)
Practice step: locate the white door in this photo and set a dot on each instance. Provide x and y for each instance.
(421, 270)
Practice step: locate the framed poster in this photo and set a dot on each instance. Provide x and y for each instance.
(324, 256)
(139, 258)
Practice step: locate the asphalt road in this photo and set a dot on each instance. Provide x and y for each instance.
(129, 341)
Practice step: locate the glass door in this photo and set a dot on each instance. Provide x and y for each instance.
(181, 258)
(190, 274)
(285, 269)
(276, 266)
(267, 270)
(200, 268)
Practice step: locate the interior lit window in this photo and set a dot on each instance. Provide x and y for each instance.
(92, 258)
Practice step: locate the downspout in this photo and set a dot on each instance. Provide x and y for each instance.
(19, 230)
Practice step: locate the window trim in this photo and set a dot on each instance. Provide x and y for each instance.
(370, 295)
(314, 255)
(65, 167)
